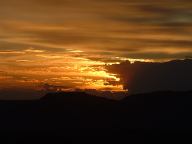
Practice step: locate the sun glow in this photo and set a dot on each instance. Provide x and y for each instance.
(132, 60)
(63, 70)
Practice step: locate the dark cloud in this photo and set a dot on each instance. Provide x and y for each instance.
(142, 77)
(156, 55)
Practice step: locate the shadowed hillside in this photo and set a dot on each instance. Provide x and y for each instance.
(59, 111)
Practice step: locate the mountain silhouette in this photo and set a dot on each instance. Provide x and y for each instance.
(66, 110)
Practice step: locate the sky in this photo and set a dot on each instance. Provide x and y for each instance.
(68, 43)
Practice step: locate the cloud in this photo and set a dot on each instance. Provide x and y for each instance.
(141, 77)
(122, 28)
(11, 52)
(36, 35)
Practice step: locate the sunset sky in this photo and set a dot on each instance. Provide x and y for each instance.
(68, 42)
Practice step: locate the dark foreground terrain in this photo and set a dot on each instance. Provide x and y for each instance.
(61, 111)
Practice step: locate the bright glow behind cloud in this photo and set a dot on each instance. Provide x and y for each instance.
(67, 43)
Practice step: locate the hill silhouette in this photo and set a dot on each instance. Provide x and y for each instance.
(66, 110)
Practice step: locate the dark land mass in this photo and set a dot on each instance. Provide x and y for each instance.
(68, 110)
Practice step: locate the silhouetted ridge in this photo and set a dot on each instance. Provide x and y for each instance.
(58, 111)
(158, 101)
(74, 97)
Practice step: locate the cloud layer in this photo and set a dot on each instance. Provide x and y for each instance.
(68, 42)
(134, 29)
(142, 77)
